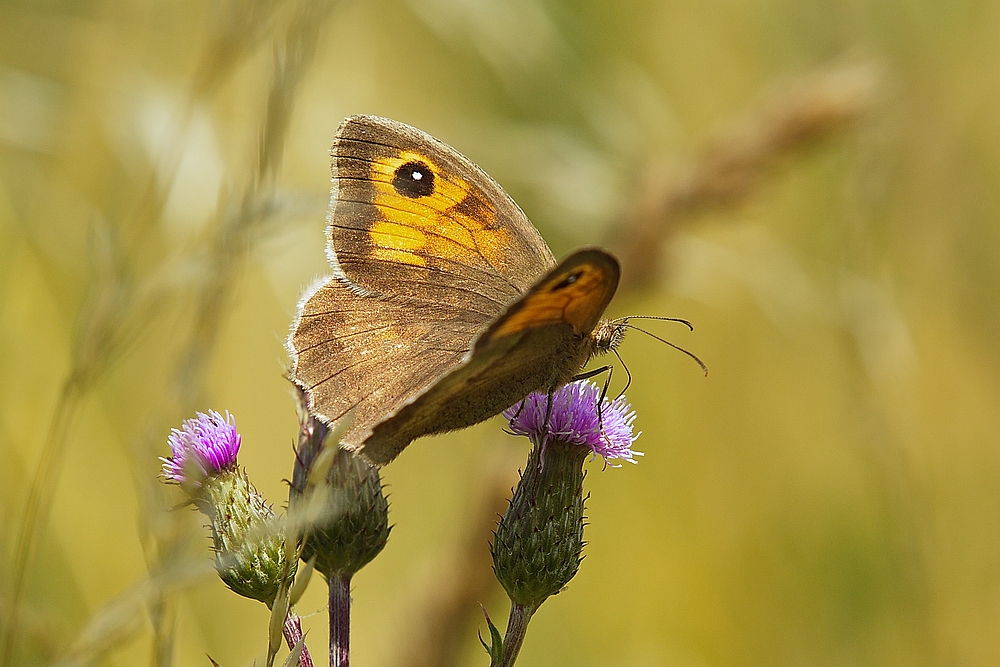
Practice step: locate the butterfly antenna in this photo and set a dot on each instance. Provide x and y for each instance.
(654, 317)
(701, 363)
(628, 375)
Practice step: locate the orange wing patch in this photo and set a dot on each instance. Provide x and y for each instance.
(576, 297)
(426, 213)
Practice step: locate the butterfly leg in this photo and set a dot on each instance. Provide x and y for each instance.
(604, 393)
(545, 427)
(520, 409)
(591, 373)
(604, 390)
(548, 413)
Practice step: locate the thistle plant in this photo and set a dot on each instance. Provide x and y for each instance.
(338, 518)
(248, 539)
(538, 543)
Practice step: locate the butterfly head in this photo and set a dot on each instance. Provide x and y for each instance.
(607, 336)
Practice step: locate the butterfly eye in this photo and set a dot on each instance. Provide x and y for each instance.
(413, 180)
(569, 280)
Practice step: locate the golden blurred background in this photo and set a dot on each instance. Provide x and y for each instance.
(816, 185)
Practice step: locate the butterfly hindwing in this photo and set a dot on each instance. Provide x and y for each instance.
(370, 354)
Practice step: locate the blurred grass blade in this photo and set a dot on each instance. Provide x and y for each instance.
(293, 657)
(120, 619)
(302, 581)
(276, 624)
(98, 334)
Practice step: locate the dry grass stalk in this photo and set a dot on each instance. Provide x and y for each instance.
(732, 163)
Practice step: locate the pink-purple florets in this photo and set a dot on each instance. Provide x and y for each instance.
(574, 419)
(203, 446)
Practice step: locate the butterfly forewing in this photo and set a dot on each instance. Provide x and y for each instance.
(576, 293)
(413, 217)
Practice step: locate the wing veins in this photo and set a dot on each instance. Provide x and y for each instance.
(423, 387)
(378, 143)
(345, 368)
(502, 305)
(475, 247)
(343, 337)
(421, 229)
(468, 309)
(457, 318)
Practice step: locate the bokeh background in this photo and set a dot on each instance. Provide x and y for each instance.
(816, 185)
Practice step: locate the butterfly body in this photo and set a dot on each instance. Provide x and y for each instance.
(446, 306)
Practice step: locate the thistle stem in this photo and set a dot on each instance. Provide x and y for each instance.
(340, 620)
(293, 634)
(517, 627)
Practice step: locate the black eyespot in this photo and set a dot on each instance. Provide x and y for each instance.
(414, 179)
(570, 279)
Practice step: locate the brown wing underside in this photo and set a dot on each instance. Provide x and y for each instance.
(372, 353)
(412, 217)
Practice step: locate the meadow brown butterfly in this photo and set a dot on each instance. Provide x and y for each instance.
(445, 306)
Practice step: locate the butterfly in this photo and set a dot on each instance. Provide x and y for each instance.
(445, 306)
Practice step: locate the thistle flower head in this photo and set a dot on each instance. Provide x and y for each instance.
(203, 446)
(248, 539)
(575, 420)
(538, 543)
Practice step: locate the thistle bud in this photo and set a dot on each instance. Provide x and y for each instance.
(349, 517)
(342, 511)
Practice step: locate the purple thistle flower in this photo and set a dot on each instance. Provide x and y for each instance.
(574, 419)
(203, 446)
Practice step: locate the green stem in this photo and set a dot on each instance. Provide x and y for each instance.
(517, 627)
(293, 634)
(340, 620)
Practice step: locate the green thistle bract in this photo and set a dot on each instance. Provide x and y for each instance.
(349, 517)
(249, 545)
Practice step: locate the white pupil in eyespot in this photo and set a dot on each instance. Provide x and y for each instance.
(417, 175)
